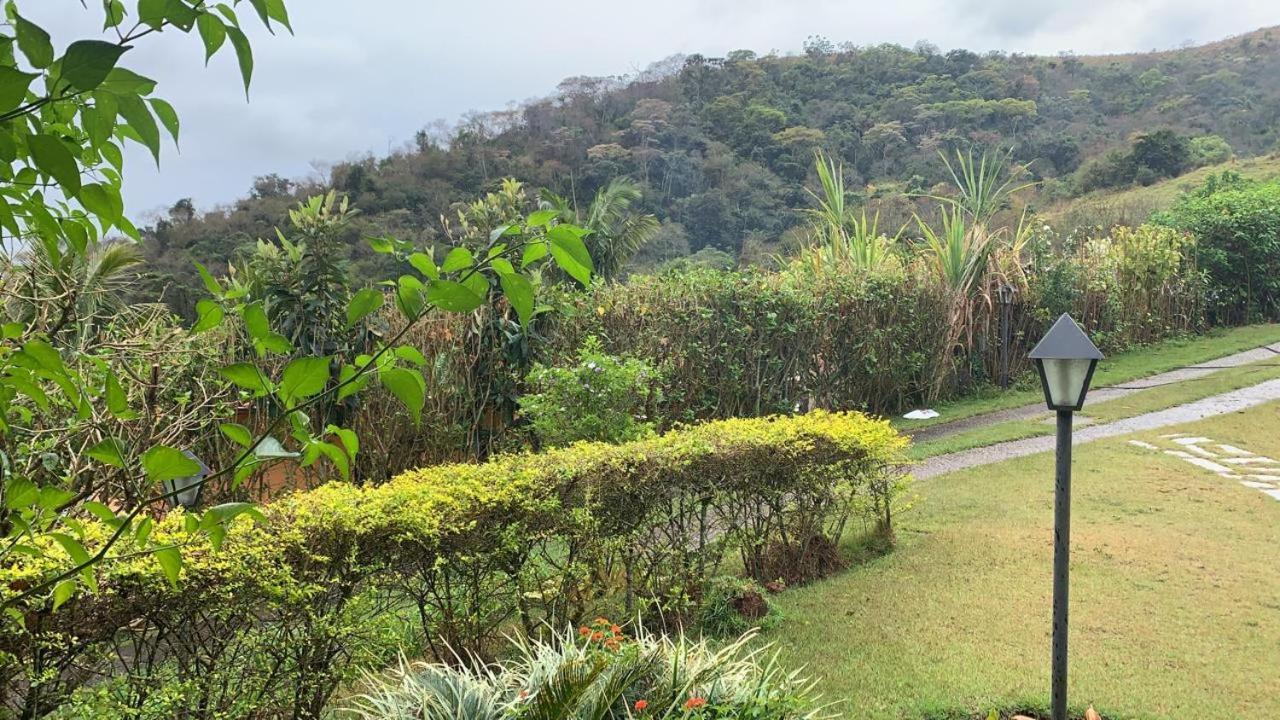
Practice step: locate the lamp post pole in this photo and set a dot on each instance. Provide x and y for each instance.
(1061, 564)
(1066, 359)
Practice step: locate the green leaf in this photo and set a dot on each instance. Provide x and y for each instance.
(108, 452)
(73, 548)
(382, 245)
(533, 253)
(278, 12)
(87, 63)
(452, 296)
(570, 253)
(13, 87)
(348, 383)
(458, 258)
(423, 263)
(540, 218)
(33, 41)
(212, 32)
(411, 354)
(138, 116)
(55, 160)
(209, 314)
(114, 11)
(168, 117)
(162, 462)
(244, 55)
(103, 201)
(210, 284)
(274, 342)
(303, 377)
(247, 376)
(362, 303)
(170, 562)
(237, 433)
(338, 456)
(62, 592)
(123, 81)
(255, 321)
(152, 12)
(519, 292)
(409, 296)
(407, 386)
(117, 399)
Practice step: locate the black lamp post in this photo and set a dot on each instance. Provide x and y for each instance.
(1004, 298)
(1066, 359)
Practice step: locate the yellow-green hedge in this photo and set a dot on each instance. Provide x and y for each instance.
(474, 550)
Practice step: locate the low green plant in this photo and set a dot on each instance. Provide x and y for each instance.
(597, 673)
(602, 397)
(732, 606)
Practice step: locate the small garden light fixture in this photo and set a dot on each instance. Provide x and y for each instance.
(1065, 358)
(185, 491)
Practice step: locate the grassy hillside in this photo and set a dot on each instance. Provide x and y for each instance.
(1135, 205)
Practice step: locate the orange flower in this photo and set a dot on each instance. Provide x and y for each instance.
(615, 630)
(694, 702)
(641, 705)
(597, 635)
(584, 631)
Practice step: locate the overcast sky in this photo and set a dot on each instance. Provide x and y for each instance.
(361, 76)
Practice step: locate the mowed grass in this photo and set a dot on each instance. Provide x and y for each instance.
(1143, 401)
(1175, 591)
(1115, 370)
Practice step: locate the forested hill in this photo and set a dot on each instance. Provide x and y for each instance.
(723, 147)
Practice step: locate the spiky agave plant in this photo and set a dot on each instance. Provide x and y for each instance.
(984, 185)
(839, 238)
(580, 677)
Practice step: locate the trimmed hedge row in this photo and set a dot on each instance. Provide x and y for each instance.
(340, 578)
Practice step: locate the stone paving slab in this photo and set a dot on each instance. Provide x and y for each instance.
(1228, 402)
(1097, 395)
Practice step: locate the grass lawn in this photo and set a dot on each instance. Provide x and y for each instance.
(1118, 369)
(1115, 370)
(1175, 591)
(1143, 401)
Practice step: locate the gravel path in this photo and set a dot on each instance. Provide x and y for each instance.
(1227, 402)
(1097, 395)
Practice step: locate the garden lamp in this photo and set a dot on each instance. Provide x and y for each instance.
(1065, 358)
(185, 491)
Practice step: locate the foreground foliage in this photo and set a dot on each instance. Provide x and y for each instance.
(597, 673)
(334, 580)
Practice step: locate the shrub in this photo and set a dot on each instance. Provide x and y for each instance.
(1237, 233)
(732, 606)
(602, 397)
(597, 673)
(294, 606)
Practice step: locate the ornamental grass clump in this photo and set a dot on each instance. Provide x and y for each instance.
(600, 673)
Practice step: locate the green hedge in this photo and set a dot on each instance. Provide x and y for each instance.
(291, 608)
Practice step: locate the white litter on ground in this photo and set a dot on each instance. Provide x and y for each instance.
(921, 414)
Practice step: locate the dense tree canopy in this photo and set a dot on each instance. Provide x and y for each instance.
(724, 146)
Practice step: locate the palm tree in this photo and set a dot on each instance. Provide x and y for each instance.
(71, 295)
(618, 231)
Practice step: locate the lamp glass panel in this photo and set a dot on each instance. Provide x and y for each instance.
(1066, 378)
(184, 491)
